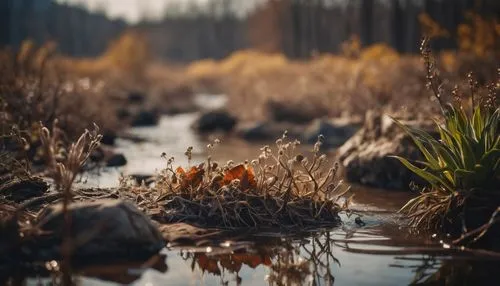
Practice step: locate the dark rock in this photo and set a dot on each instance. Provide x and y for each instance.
(108, 138)
(136, 97)
(295, 112)
(336, 133)
(116, 160)
(145, 118)
(101, 228)
(143, 178)
(21, 189)
(262, 131)
(218, 120)
(97, 155)
(365, 157)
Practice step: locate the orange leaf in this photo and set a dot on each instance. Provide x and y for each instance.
(180, 171)
(248, 259)
(192, 178)
(245, 175)
(248, 179)
(267, 261)
(208, 264)
(229, 264)
(234, 173)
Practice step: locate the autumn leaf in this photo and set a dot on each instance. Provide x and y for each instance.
(245, 175)
(234, 173)
(251, 260)
(192, 178)
(248, 179)
(180, 171)
(230, 264)
(208, 264)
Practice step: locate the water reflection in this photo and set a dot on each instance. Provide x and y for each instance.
(456, 271)
(321, 258)
(289, 261)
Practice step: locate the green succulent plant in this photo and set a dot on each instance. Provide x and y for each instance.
(462, 166)
(463, 163)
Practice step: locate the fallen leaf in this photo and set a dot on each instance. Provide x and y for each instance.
(248, 179)
(208, 264)
(234, 173)
(230, 264)
(245, 175)
(192, 178)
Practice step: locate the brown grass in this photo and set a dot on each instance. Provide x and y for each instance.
(375, 77)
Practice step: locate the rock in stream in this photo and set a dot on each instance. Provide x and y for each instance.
(100, 228)
(366, 156)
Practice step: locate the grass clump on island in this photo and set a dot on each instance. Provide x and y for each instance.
(462, 166)
(279, 189)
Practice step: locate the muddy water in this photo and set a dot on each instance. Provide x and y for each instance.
(378, 252)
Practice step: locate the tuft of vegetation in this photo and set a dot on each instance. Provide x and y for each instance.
(462, 166)
(64, 163)
(279, 189)
(35, 93)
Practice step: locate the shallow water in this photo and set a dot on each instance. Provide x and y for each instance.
(377, 253)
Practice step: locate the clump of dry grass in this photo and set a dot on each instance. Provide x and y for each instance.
(66, 162)
(279, 189)
(34, 92)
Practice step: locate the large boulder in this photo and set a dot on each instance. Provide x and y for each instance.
(336, 132)
(365, 157)
(100, 228)
(216, 120)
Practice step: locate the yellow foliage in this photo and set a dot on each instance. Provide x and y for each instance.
(130, 52)
(202, 69)
(431, 28)
(379, 52)
(30, 56)
(352, 47)
(449, 61)
(25, 51)
(242, 63)
(478, 36)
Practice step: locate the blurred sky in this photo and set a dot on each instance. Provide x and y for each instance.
(133, 10)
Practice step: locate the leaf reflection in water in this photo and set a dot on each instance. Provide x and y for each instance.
(290, 261)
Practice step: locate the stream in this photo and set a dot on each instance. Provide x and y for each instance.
(376, 252)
